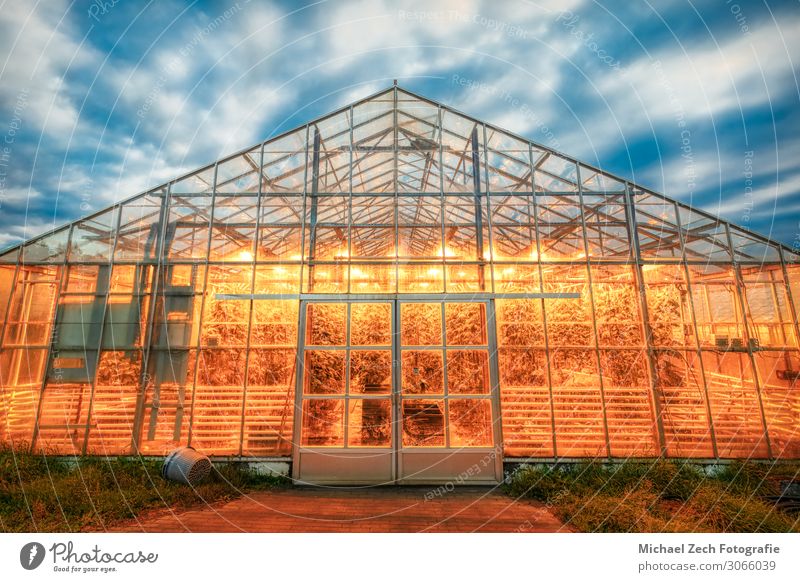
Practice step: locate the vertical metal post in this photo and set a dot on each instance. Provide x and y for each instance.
(156, 286)
(649, 348)
(476, 187)
(594, 311)
(312, 226)
(747, 318)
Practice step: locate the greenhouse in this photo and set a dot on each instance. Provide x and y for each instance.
(397, 292)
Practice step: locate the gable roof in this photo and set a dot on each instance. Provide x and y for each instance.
(394, 137)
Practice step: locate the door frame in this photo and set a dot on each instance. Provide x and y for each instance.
(473, 465)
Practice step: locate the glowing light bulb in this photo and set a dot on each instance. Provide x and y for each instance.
(245, 256)
(434, 272)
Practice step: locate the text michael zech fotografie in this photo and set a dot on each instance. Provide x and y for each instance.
(708, 549)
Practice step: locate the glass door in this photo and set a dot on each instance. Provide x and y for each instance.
(397, 392)
(447, 399)
(346, 387)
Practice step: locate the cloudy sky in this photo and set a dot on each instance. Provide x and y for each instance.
(101, 100)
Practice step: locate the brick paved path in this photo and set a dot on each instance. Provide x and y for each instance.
(367, 510)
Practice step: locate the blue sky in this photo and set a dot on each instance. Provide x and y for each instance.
(101, 100)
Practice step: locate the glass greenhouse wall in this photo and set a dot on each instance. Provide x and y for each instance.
(426, 280)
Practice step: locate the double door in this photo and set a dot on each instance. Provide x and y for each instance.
(397, 392)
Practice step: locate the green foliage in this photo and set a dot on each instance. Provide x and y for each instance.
(43, 493)
(659, 496)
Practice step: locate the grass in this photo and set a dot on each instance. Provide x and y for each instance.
(52, 494)
(660, 496)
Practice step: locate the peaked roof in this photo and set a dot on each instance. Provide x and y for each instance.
(402, 141)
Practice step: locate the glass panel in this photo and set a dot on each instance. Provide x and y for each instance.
(704, 238)
(114, 403)
(140, 221)
(683, 404)
(284, 163)
(64, 408)
(508, 162)
(239, 174)
(717, 309)
(269, 402)
(420, 227)
(326, 324)
(657, 227)
(606, 226)
(577, 404)
(467, 372)
(371, 324)
(93, 239)
(517, 278)
(466, 278)
(556, 174)
(465, 324)
(178, 303)
(668, 306)
(6, 286)
(370, 372)
(594, 181)
(749, 249)
(525, 401)
(277, 280)
(281, 221)
(187, 229)
(334, 153)
(9, 257)
(226, 320)
(21, 373)
(327, 221)
(32, 308)
(560, 228)
(369, 423)
(629, 408)
(373, 227)
(616, 306)
(767, 307)
(233, 230)
(323, 423)
(421, 324)
(569, 320)
(326, 278)
(218, 395)
(167, 401)
(421, 279)
(372, 278)
(520, 322)
(735, 410)
(48, 249)
(462, 240)
(423, 372)
(200, 182)
(274, 323)
(423, 423)
(324, 372)
(779, 375)
(470, 422)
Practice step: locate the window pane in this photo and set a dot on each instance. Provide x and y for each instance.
(323, 423)
(324, 372)
(421, 324)
(465, 324)
(470, 422)
(371, 324)
(326, 324)
(423, 423)
(370, 372)
(422, 372)
(369, 423)
(467, 372)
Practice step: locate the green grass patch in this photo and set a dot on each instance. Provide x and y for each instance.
(53, 494)
(660, 496)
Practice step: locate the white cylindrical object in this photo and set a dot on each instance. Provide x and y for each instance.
(185, 465)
